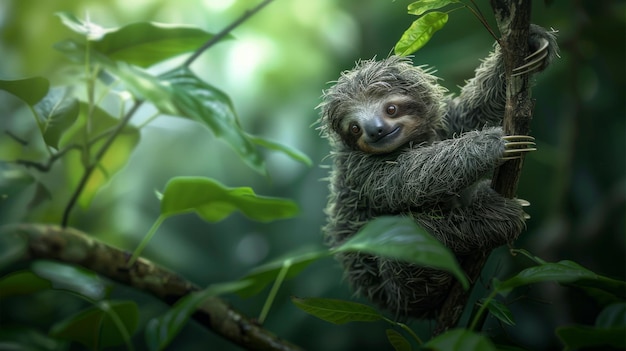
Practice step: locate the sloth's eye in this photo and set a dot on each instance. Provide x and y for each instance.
(354, 128)
(391, 109)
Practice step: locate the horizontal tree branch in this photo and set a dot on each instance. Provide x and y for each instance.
(71, 246)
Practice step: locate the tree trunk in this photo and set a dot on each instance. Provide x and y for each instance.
(513, 18)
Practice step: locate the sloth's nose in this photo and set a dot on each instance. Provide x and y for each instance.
(376, 128)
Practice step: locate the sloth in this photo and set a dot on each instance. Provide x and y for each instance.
(402, 146)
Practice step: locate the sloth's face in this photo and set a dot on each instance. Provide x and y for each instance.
(382, 125)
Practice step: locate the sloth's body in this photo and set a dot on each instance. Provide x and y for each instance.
(403, 147)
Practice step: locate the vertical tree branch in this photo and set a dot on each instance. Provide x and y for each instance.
(513, 18)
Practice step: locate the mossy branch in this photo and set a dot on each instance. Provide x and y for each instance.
(513, 18)
(71, 246)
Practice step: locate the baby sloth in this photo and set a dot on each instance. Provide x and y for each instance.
(401, 146)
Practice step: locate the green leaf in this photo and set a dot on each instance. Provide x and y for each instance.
(289, 151)
(71, 278)
(181, 93)
(29, 90)
(401, 238)
(145, 86)
(263, 275)
(337, 311)
(399, 342)
(612, 316)
(162, 330)
(420, 32)
(57, 113)
(422, 6)
(106, 325)
(213, 201)
(79, 26)
(22, 283)
(565, 272)
(197, 100)
(116, 157)
(145, 44)
(582, 336)
(499, 311)
(460, 340)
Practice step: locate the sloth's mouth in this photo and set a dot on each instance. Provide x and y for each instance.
(385, 138)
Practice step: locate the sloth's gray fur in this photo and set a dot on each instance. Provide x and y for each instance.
(436, 178)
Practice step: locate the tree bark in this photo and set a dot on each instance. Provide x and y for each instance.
(37, 241)
(513, 18)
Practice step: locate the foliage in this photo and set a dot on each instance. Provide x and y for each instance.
(427, 23)
(76, 130)
(118, 63)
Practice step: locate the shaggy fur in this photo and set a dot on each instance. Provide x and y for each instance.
(434, 178)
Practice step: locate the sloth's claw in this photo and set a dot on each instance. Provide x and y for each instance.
(517, 145)
(535, 61)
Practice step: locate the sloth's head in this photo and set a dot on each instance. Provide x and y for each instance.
(380, 106)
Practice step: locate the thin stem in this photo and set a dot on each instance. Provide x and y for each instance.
(16, 138)
(146, 239)
(224, 32)
(407, 329)
(148, 120)
(479, 15)
(88, 170)
(45, 167)
(106, 308)
(478, 317)
(272, 295)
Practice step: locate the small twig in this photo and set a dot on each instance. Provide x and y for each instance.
(45, 167)
(479, 15)
(224, 32)
(16, 138)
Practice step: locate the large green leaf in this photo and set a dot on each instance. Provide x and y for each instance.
(401, 238)
(213, 201)
(263, 275)
(57, 112)
(181, 93)
(162, 330)
(337, 311)
(75, 279)
(195, 99)
(420, 32)
(565, 272)
(460, 340)
(101, 126)
(29, 90)
(105, 325)
(143, 44)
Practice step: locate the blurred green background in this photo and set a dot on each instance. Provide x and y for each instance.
(274, 71)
